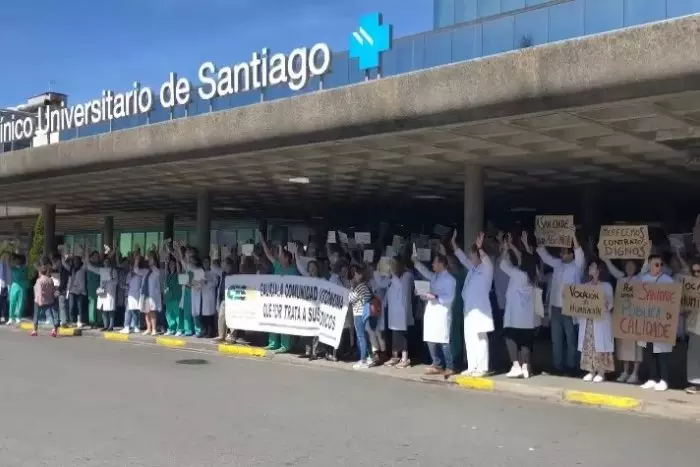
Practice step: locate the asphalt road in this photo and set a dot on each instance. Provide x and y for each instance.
(84, 402)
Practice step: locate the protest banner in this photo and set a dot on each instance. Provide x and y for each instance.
(647, 311)
(299, 306)
(555, 231)
(690, 303)
(584, 301)
(624, 242)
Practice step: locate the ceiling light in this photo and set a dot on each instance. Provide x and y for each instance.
(228, 208)
(429, 197)
(300, 180)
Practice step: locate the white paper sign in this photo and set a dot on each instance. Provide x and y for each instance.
(424, 254)
(247, 249)
(183, 279)
(343, 237)
(331, 237)
(225, 251)
(198, 275)
(292, 247)
(390, 252)
(397, 242)
(300, 306)
(105, 274)
(422, 287)
(368, 256)
(363, 238)
(56, 279)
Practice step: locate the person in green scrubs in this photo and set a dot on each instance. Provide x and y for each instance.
(186, 326)
(282, 265)
(92, 284)
(173, 294)
(18, 289)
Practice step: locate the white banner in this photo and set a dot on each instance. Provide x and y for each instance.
(296, 305)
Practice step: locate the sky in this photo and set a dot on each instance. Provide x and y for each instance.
(80, 47)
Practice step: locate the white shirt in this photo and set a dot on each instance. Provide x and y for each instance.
(478, 316)
(520, 302)
(437, 319)
(563, 274)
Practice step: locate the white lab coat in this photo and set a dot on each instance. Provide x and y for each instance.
(155, 287)
(437, 319)
(659, 347)
(399, 299)
(478, 316)
(108, 300)
(602, 328)
(562, 274)
(520, 301)
(204, 297)
(500, 286)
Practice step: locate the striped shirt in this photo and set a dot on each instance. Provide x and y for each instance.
(360, 295)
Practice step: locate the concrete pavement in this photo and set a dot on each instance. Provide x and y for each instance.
(87, 402)
(609, 395)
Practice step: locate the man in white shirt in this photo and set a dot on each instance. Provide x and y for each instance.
(567, 269)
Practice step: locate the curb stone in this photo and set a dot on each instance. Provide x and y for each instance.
(670, 408)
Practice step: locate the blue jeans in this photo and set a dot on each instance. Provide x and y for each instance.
(361, 337)
(441, 355)
(50, 315)
(564, 340)
(78, 305)
(63, 312)
(108, 319)
(131, 319)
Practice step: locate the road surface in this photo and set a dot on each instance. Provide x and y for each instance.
(79, 402)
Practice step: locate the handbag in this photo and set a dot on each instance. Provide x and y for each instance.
(539, 304)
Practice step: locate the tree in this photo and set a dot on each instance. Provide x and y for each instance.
(37, 248)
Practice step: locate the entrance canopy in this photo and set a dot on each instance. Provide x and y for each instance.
(619, 109)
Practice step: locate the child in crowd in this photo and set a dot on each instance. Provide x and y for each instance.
(44, 297)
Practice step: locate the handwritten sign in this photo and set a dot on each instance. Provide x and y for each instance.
(555, 231)
(584, 301)
(624, 242)
(647, 312)
(690, 303)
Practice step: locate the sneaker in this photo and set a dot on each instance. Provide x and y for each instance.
(588, 378)
(526, 371)
(146, 333)
(33, 334)
(515, 371)
(478, 374)
(179, 334)
(392, 362)
(168, 333)
(403, 364)
(433, 370)
(79, 325)
(361, 365)
(53, 333)
(623, 378)
(661, 386)
(693, 389)
(649, 384)
(125, 331)
(467, 373)
(598, 378)
(372, 362)
(282, 350)
(633, 379)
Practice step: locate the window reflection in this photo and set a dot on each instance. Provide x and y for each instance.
(510, 5)
(531, 28)
(498, 35)
(603, 15)
(566, 20)
(681, 7)
(466, 43)
(488, 8)
(443, 13)
(438, 49)
(644, 11)
(465, 10)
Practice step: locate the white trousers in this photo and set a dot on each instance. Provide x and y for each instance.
(477, 344)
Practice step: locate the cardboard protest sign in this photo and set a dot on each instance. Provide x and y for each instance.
(690, 300)
(647, 312)
(624, 242)
(555, 231)
(584, 301)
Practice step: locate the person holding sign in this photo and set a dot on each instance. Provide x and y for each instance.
(595, 339)
(478, 318)
(519, 320)
(693, 328)
(657, 354)
(437, 317)
(627, 350)
(567, 269)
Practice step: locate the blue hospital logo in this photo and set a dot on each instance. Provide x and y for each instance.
(370, 40)
(237, 292)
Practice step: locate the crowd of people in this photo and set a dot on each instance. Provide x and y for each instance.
(500, 283)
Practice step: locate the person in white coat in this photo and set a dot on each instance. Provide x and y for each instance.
(519, 319)
(203, 297)
(438, 315)
(478, 318)
(627, 350)
(151, 299)
(399, 301)
(567, 269)
(595, 338)
(657, 354)
(107, 291)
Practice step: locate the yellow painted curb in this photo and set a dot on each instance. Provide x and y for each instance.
(241, 350)
(602, 400)
(116, 336)
(26, 326)
(170, 342)
(471, 382)
(69, 332)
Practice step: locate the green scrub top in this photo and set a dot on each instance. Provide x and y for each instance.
(173, 290)
(20, 276)
(280, 270)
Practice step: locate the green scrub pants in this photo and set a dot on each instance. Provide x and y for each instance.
(187, 325)
(172, 313)
(17, 295)
(279, 342)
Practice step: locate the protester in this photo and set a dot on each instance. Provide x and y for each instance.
(399, 299)
(693, 356)
(134, 282)
(359, 301)
(172, 295)
(151, 297)
(44, 297)
(18, 289)
(107, 291)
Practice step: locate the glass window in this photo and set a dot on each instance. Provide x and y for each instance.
(124, 244)
(355, 75)
(644, 11)
(178, 112)
(443, 13)
(245, 98)
(531, 28)
(566, 20)
(181, 236)
(497, 35)
(159, 114)
(221, 103)
(152, 239)
(387, 63)
(418, 53)
(488, 8)
(535, 2)
(338, 74)
(466, 43)
(465, 10)
(139, 238)
(438, 48)
(676, 8)
(510, 5)
(603, 15)
(404, 55)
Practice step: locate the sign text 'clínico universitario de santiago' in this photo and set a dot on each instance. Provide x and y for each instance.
(264, 70)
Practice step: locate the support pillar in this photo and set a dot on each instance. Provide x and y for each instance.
(203, 223)
(169, 227)
(473, 203)
(48, 214)
(108, 233)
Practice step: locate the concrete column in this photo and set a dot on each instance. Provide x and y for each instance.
(169, 227)
(203, 223)
(108, 233)
(48, 214)
(590, 208)
(473, 203)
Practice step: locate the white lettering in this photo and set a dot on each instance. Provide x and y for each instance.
(208, 89)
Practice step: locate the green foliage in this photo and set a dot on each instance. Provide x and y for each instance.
(37, 248)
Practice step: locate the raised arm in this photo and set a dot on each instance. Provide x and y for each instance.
(422, 270)
(459, 253)
(616, 273)
(268, 253)
(526, 242)
(546, 258)
(300, 266)
(485, 259)
(579, 256)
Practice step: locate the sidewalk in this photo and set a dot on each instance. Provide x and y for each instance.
(609, 395)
